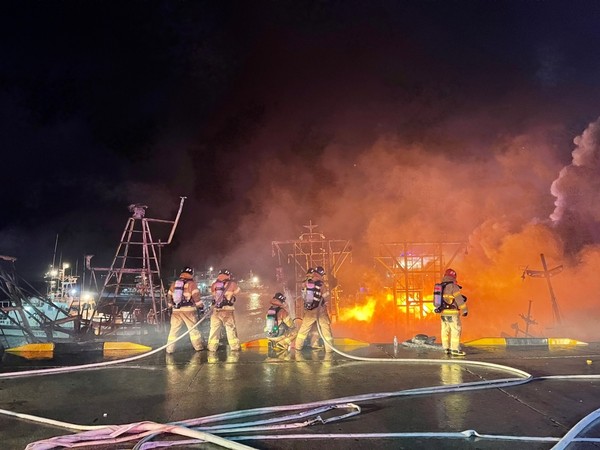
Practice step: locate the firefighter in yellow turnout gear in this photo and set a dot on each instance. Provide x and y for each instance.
(279, 327)
(223, 290)
(453, 307)
(184, 299)
(314, 294)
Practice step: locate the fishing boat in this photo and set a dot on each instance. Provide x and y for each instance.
(29, 316)
(132, 297)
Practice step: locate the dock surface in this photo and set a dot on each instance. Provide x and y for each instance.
(412, 397)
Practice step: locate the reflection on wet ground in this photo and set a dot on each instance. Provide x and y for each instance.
(171, 387)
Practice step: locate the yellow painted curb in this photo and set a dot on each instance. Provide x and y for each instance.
(345, 342)
(487, 341)
(524, 342)
(49, 347)
(564, 342)
(38, 347)
(36, 355)
(111, 346)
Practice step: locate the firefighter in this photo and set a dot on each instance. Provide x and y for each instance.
(453, 307)
(279, 326)
(314, 294)
(184, 299)
(223, 290)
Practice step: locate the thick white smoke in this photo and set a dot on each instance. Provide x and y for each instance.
(576, 189)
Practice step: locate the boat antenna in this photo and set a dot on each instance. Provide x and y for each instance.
(55, 247)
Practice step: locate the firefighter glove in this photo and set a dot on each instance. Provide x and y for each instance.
(464, 314)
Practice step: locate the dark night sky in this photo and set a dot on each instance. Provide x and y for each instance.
(268, 114)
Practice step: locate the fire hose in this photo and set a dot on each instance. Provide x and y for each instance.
(109, 434)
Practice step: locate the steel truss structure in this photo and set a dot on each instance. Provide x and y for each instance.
(411, 269)
(310, 250)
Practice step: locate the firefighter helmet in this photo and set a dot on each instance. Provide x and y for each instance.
(310, 271)
(225, 272)
(320, 270)
(279, 296)
(450, 273)
(188, 269)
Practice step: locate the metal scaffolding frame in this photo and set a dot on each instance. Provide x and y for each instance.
(413, 268)
(312, 249)
(133, 293)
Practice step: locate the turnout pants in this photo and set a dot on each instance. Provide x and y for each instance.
(451, 329)
(187, 317)
(310, 317)
(223, 318)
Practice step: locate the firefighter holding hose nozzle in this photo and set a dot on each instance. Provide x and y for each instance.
(279, 327)
(314, 294)
(184, 298)
(224, 290)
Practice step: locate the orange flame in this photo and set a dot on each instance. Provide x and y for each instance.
(363, 313)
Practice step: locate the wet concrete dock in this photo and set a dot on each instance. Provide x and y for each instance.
(167, 388)
(186, 385)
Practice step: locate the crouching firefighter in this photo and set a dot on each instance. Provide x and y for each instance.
(184, 299)
(314, 294)
(279, 327)
(451, 305)
(224, 290)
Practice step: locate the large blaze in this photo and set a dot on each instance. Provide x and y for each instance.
(502, 296)
(510, 198)
(517, 209)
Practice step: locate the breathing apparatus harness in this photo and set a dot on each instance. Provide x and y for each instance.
(311, 293)
(179, 299)
(438, 297)
(220, 299)
(273, 328)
